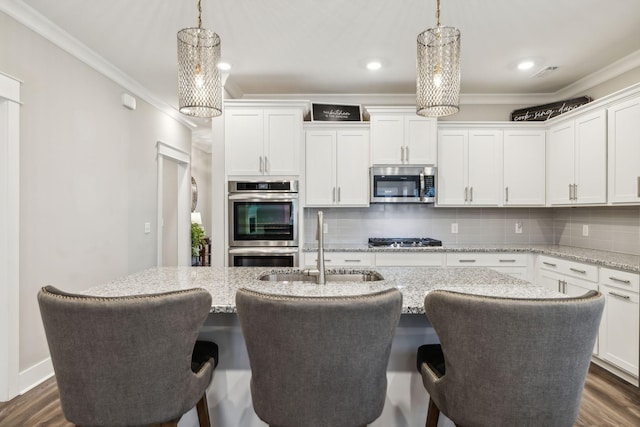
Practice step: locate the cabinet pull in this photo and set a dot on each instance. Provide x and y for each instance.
(550, 264)
(507, 260)
(615, 279)
(577, 270)
(334, 194)
(467, 260)
(338, 193)
(261, 165)
(471, 194)
(402, 154)
(352, 260)
(266, 164)
(620, 296)
(506, 194)
(638, 186)
(575, 191)
(570, 192)
(406, 153)
(466, 190)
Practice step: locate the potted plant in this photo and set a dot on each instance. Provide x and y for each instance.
(197, 236)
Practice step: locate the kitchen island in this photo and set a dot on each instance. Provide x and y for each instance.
(229, 395)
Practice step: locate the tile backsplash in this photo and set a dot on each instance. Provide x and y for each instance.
(615, 229)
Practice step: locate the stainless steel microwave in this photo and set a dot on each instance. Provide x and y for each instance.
(403, 184)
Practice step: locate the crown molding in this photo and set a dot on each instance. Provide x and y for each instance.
(37, 22)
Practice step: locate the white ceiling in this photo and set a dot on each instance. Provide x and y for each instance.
(285, 47)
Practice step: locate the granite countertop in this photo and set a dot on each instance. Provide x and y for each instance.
(615, 260)
(415, 283)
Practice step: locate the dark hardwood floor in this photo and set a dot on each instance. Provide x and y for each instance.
(606, 402)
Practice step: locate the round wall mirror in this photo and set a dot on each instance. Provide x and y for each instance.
(194, 194)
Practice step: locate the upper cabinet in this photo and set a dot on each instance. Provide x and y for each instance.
(577, 160)
(337, 165)
(524, 167)
(469, 167)
(263, 140)
(400, 136)
(624, 152)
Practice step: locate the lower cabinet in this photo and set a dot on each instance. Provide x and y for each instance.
(340, 259)
(508, 263)
(619, 328)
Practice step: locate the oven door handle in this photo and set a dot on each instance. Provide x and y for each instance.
(284, 197)
(264, 251)
(422, 189)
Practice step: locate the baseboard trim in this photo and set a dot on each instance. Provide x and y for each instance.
(35, 375)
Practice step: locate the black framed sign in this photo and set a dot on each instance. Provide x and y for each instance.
(543, 112)
(335, 113)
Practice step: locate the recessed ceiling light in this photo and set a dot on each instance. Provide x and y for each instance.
(525, 65)
(224, 66)
(374, 65)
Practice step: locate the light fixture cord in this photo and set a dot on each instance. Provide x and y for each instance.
(438, 13)
(200, 13)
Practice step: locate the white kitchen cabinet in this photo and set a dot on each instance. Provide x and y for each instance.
(620, 327)
(263, 141)
(577, 160)
(524, 167)
(337, 166)
(469, 167)
(340, 259)
(513, 264)
(624, 152)
(409, 259)
(568, 277)
(400, 136)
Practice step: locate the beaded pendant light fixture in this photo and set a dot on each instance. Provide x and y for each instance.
(199, 86)
(438, 70)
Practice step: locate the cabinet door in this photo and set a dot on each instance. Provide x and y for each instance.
(591, 158)
(244, 136)
(549, 280)
(524, 168)
(619, 329)
(420, 135)
(452, 167)
(352, 168)
(561, 163)
(283, 134)
(320, 173)
(624, 152)
(387, 135)
(484, 167)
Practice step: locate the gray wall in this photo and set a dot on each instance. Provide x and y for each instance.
(87, 176)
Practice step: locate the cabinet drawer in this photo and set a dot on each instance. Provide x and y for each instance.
(340, 259)
(407, 259)
(620, 279)
(473, 259)
(569, 268)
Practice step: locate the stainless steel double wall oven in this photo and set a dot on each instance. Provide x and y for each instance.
(263, 223)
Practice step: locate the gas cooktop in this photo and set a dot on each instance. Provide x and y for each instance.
(402, 242)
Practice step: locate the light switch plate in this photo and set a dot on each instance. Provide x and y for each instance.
(147, 227)
(585, 230)
(454, 228)
(518, 227)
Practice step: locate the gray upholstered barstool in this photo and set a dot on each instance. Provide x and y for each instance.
(129, 361)
(508, 362)
(318, 361)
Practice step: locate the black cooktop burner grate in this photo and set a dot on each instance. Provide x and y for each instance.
(401, 242)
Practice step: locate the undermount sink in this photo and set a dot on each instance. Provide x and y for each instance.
(370, 276)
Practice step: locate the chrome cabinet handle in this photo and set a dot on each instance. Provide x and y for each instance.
(550, 264)
(507, 260)
(261, 165)
(266, 164)
(466, 260)
(615, 279)
(506, 194)
(402, 154)
(352, 260)
(578, 271)
(570, 192)
(466, 190)
(338, 193)
(620, 296)
(334, 194)
(406, 153)
(638, 186)
(471, 194)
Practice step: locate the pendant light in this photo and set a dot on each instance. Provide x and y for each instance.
(438, 70)
(199, 87)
